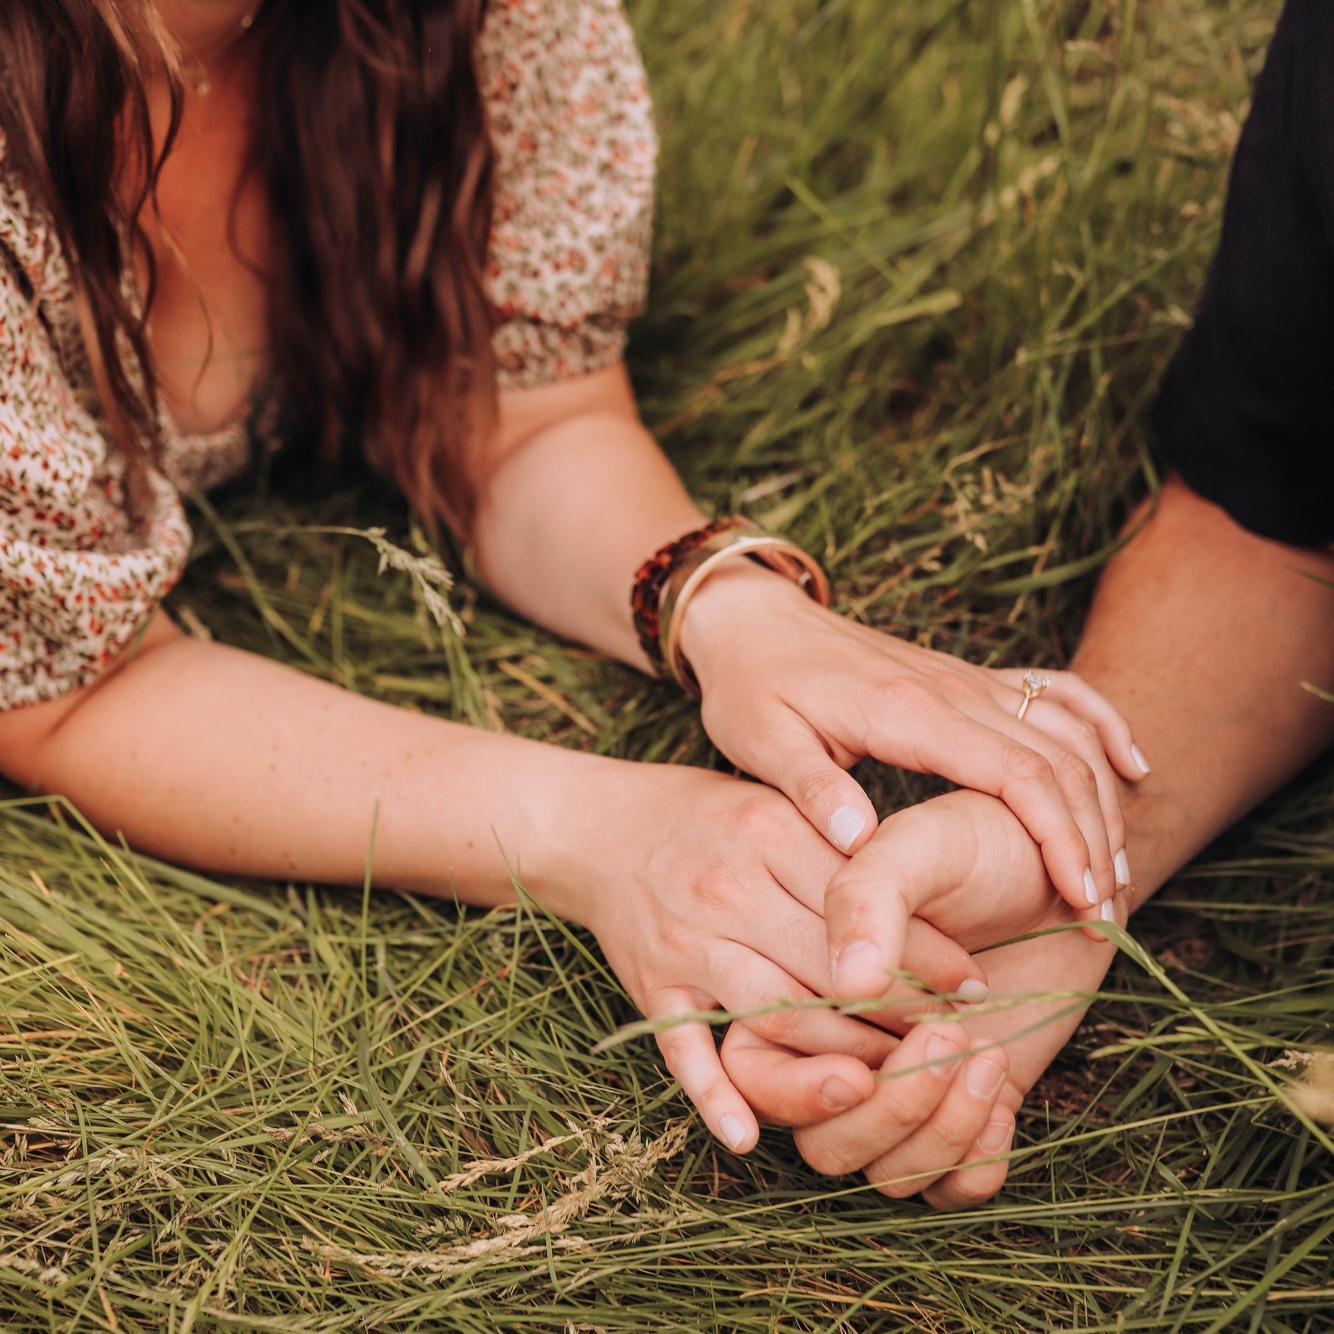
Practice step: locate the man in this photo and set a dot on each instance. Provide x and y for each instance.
(1208, 631)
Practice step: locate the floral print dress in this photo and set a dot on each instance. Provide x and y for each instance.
(81, 569)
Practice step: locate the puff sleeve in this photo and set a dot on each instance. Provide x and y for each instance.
(572, 124)
(81, 570)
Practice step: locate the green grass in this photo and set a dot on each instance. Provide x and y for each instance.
(255, 1106)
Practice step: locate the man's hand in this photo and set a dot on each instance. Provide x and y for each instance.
(955, 1154)
(1204, 634)
(965, 864)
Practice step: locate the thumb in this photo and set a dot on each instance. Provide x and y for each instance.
(914, 858)
(951, 975)
(791, 757)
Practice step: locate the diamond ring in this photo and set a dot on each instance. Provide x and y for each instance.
(1034, 684)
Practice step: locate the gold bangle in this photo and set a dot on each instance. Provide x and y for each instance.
(780, 555)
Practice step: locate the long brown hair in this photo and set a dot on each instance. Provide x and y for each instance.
(372, 145)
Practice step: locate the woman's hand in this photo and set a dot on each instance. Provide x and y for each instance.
(705, 891)
(968, 866)
(795, 695)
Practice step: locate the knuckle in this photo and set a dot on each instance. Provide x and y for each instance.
(950, 1136)
(904, 1114)
(950, 973)
(891, 1183)
(724, 715)
(851, 904)
(714, 889)
(782, 1025)
(1084, 736)
(822, 1155)
(869, 1044)
(918, 1008)
(1073, 772)
(906, 695)
(968, 1189)
(674, 1044)
(815, 785)
(764, 817)
(844, 893)
(1023, 765)
(714, 1092)
(676, 938)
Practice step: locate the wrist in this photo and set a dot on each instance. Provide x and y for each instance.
(729, 607)
(586, 830)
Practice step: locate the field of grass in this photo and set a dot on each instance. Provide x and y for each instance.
(918, 268)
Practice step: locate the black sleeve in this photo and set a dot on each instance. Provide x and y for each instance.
(1246, 410)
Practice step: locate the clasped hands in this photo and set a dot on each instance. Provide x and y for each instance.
(761, 903)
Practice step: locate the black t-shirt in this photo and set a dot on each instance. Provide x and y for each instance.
(1246, 410)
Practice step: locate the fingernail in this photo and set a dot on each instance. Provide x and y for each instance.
(734, 1131)
(941, 1057)
(1122, 864)
(860, 965)
(973, 989)
(995, 1136)
(982, 1076)
(845, 827)
(1090, 887)
(838, 1095)
(1108, 911)
(1138, 756)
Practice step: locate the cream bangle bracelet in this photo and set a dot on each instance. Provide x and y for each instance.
(780, 555)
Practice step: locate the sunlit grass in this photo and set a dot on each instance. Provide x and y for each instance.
(918, 268)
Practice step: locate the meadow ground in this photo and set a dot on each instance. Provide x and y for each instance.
(917, 270)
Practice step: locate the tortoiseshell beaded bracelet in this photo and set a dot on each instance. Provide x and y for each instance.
(667, 581)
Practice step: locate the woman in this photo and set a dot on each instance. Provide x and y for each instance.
(424, 226)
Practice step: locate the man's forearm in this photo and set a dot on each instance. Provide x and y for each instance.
(1203, 634)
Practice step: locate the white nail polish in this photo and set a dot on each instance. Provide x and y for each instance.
(972, 990)
(1108, 911)
(734, 1131)
(1138, 756)
(845, 827)
(1122, 864)
(1090, 887)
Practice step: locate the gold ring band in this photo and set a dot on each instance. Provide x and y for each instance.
(1034, 684)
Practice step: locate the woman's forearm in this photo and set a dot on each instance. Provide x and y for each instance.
(580, 495)
(225, 761)
(1203, 634)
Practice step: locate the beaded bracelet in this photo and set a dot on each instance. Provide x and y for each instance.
(667, 581)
